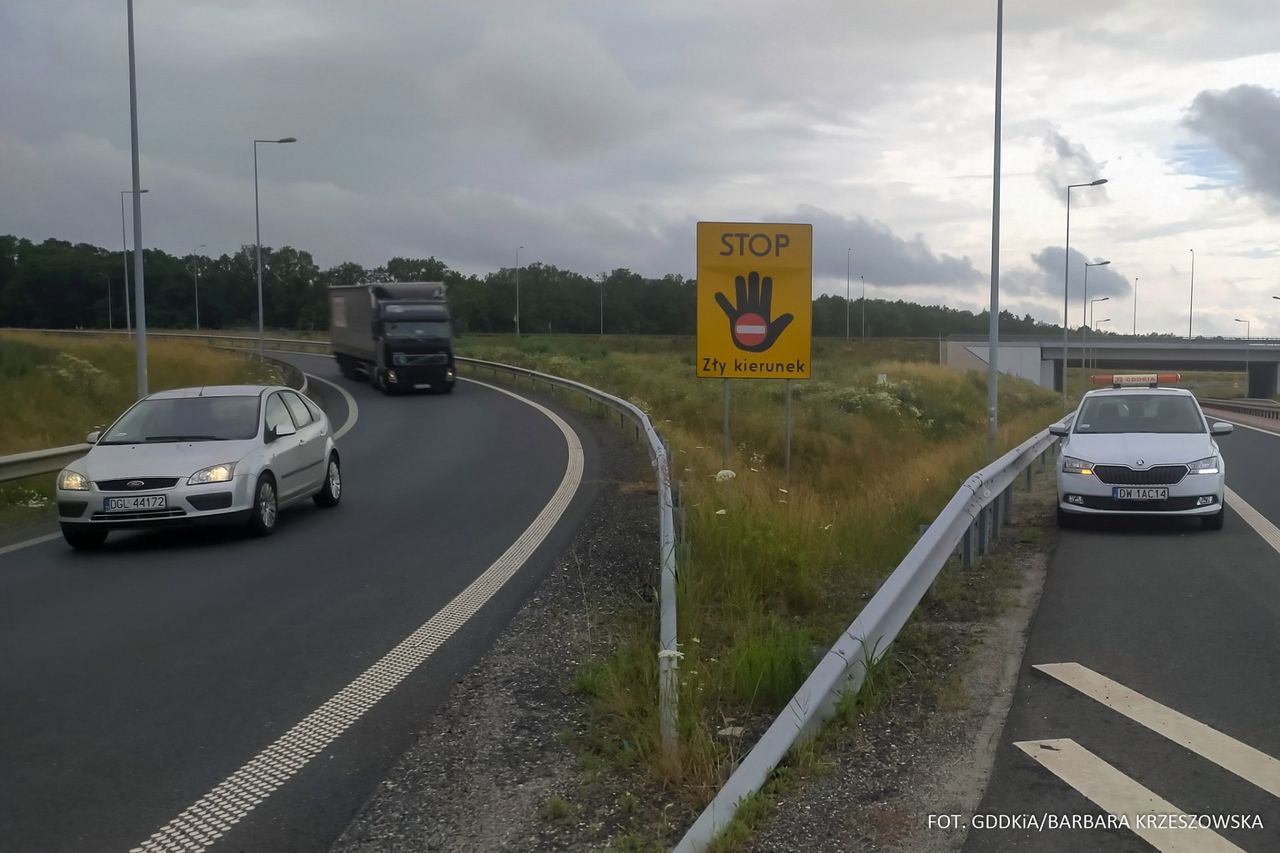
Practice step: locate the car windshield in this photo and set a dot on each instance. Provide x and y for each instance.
(187, 419)
(417, 329)
(1158, 413)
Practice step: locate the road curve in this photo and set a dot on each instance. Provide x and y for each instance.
(138, 678)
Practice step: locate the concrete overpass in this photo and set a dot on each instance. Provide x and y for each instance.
(1039, 358)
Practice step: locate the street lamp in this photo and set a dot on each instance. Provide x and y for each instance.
(602, 278)
(1085, 300)
(257, 227)
(195, 273)
(140, 298)
(848, 268)
(864, 308)
(1248, 339)
(124, 245)
(1095, 352)
(1135, 306)
(518, 248)
(1090, 323)
(1066, 269)
(1191, 309)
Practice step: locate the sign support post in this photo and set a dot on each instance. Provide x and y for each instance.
(787, 397)
(724, 454)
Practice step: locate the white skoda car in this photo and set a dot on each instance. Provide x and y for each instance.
(225, 454)
(1140, 451)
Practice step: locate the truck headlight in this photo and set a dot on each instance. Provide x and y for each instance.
(213, 474)
(1072, 465)
(1208, 465)
(73, 481)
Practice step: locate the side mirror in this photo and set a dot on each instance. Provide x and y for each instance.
(1221, 428)
(92, 438)
(1059, 429)
(281, 431)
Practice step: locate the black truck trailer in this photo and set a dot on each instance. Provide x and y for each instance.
(398, 335)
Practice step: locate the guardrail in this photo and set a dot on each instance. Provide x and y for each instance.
(1256, 408)
(660, 455)
(970, 522)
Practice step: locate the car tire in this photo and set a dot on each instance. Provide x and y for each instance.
(81, 539)
(265, 513)
(331, 492)
(1067, 520)
(1215, 521)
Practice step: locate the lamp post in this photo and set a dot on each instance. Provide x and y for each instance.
(195, 273)
(1248, 339)
(1066, 269)
(1090, 324)
(1135, 306)
(1084, 301)
(993, 329)
(257, 227)
(139, 284)
(107, 279)
(518, 248)
(1191, 309)
(1095, 352)
(124, 246)
(602, 279)
(848, 268)
(864, 308)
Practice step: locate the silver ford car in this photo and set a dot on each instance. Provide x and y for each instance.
(227, 454)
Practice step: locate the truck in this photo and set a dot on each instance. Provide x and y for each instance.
(397, 335)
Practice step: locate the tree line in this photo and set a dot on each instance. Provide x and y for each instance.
(56, 284)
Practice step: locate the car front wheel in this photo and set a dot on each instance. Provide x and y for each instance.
(266, 506)
(331, 492)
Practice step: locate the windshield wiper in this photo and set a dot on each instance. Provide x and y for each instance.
(183, 438)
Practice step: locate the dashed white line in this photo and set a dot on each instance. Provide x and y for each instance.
(1228, 753)
(214, 814)
(1121, 796)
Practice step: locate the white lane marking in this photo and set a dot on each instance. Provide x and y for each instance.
(214, 814)
(353, 411)
(1263, 527)
(1269, 432)
(1228, 753)
(1121, 796)
(27, 543)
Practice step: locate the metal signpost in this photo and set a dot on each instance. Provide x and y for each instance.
(755, 306)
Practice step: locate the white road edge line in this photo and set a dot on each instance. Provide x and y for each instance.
(353, 410)
(213, 815)
(1248, 763)
(1121, 796)
(1270, 432)
(27, 543)
(1259, 522)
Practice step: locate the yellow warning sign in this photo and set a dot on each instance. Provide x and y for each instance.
(755, 297)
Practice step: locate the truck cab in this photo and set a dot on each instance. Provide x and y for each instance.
(398, 335)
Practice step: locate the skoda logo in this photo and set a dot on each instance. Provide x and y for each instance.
(1140, 462)
(135, 484)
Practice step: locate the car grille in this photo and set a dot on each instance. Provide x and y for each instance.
(147, 483)
(410, 360)
(172, 512)
(1114, 505)
(1122, 475)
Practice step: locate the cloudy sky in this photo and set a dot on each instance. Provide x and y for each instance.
(596, 134)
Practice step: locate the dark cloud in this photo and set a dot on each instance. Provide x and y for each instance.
(1067, 163)
(1244, 123)
(1044, 281)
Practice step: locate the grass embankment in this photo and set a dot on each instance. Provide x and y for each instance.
(56, 388)
(774, 572)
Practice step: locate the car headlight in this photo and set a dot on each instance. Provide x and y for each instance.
(213, 474)
(73, 481)
(1208, 465)
(1072, 465)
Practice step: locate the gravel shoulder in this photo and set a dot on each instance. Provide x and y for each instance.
(495, 767)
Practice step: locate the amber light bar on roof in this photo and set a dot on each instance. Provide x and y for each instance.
(1150, 380)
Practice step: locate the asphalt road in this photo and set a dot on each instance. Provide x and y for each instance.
(1187, 618)
(137, 678)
